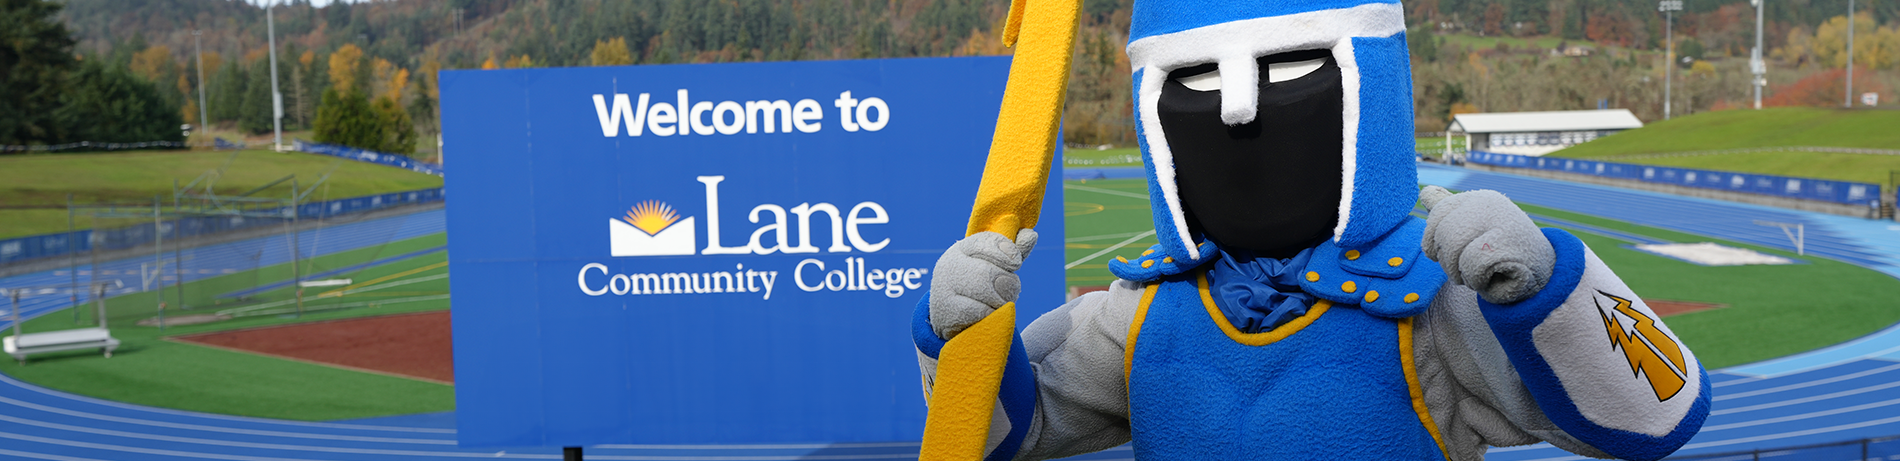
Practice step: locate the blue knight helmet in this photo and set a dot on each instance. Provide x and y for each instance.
(1366, 40)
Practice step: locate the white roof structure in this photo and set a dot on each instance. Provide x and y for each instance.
(1567, 120)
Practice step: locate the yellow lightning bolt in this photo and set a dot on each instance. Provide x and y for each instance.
(1645, 347)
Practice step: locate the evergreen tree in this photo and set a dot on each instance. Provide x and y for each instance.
(397, 133)
(110, 104)
(346, 119)
(422, 107)
(33, 64)
(352, 119)
(254, 109)
(227, 92)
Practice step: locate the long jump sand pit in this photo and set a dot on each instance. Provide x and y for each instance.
(415, 346)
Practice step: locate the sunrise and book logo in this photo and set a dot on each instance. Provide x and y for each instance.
(652, 228)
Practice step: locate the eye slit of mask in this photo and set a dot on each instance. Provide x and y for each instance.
(1283, 71)
(1202, 78)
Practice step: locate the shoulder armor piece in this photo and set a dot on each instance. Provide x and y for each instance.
(1391, 277)
(1154, 264)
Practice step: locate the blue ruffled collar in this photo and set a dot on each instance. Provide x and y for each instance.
(1258, 293)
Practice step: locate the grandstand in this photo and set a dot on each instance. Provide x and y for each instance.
(1538, 133)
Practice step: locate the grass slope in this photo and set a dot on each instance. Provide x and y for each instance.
(150, 370)
(1773, 127)
(43, 181)
(1733, 129)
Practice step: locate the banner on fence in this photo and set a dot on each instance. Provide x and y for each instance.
(1852, 193)
(369, 156)
(141, 233)
(710, 254)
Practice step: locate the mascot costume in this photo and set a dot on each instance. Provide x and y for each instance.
(1295, 308)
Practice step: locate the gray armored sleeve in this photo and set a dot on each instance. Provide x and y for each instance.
(1471, 388)
(1077, 351)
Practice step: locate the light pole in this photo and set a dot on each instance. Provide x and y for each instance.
(1669, 9)
(1850, 56)
(1755, 62)
(198, 44)
(276, 99)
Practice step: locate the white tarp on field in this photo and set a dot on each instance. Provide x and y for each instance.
(1711, 254)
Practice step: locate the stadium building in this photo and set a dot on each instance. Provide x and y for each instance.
(1538, 133)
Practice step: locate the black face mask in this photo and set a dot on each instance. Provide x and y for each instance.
(1271, 185)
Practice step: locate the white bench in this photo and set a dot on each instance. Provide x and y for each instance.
(34, 343)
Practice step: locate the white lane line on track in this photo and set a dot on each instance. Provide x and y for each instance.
(783, 446)
(196, 427)
(23, 454)
(1806, 384)
(750, 458)
(1111, 248)
(1758, 422)
(1783, 435)
(10, 381)
(146, 451)
(1099, 190)
(227, 443)
(1807, 399)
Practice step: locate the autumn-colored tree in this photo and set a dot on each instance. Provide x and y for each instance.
(390, 79)
(490, 64)
(343, 67)
(611, 52)
(1494, 19)
(155, 63)
(1874, 48)
(1824, 89)
(519, 62)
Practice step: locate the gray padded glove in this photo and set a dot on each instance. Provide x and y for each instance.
(1485, 242)
(974, 277)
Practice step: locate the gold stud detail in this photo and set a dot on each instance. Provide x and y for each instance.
(1395, 261)
(1121, 259)
(1349, 286)
(1312, 276)
(1372, 295)
(1149, 252)
(1352, 255)
(1411, 298)
(1167, 259)
(1147, 264)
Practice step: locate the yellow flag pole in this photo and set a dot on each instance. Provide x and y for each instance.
(970, 366)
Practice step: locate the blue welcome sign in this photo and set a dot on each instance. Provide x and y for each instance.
(709, 254)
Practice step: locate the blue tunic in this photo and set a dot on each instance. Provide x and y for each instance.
(1335, 383)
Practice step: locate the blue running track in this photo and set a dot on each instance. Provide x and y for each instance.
(1844, 392)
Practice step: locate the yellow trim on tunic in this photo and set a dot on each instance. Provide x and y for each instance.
(1265, 337)
(1412, 384)
(1134, 329)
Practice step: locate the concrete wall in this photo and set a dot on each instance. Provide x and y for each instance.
(1756, 199)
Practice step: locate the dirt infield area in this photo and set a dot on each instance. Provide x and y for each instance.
(413, 346)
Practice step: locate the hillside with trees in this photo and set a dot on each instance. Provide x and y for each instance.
(375, 61)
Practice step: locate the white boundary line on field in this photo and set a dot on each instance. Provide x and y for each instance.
(1111, 248)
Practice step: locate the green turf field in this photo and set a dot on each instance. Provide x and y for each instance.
(149, 370)
(1773, 127)
(33, 187)
(1766, 316)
